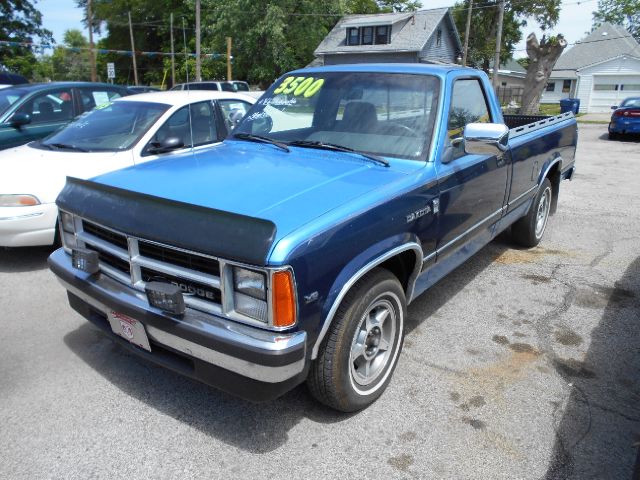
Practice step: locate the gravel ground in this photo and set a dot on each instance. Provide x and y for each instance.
(521, 364)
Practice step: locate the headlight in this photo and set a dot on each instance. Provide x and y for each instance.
(18, 200)
(250, 293)
(67, 230)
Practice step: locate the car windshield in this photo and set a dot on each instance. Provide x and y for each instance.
(9, 96)
(113, 127)
(631, 102)
(378, 113)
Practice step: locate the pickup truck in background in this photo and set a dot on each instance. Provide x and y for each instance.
(289, 252)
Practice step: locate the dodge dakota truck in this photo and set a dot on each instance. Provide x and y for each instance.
(289, 252)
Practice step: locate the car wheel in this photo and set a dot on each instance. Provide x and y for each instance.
(528, 231)
(361, 349)
(613, 136)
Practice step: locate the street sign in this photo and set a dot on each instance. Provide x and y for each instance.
(111, 70)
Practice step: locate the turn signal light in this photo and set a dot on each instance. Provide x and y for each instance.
(283, 299)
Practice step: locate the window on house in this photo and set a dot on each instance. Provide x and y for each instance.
(551, 87)
(353, 36)
(382, 34)
(438, 38)
(504, 84)
(566, 86)
(630, 86)
(367, 35)
(606, 87)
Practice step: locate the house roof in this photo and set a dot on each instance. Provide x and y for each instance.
(417, 28)
(605, 42)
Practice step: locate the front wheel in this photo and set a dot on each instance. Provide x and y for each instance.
(528, 231)
(361, 349)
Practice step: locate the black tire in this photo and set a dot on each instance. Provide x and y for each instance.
(338, 377)
(528, 231)
(613, 136)
(57, 241)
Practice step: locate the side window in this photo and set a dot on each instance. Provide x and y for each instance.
(202, 125)
(233, 111)
(468, 105)
(92, 98)
(52, 106)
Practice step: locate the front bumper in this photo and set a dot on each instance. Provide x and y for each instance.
(249, 362)
(623, 125)
(28, 226)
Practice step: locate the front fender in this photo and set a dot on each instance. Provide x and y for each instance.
(358, 267)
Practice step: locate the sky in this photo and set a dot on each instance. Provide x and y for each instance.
(574, 23)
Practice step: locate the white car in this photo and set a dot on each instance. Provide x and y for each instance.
(129, 130)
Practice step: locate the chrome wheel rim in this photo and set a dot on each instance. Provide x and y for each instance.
(543, 212)
(372, 347)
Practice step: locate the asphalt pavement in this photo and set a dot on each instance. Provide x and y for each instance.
(521, 364)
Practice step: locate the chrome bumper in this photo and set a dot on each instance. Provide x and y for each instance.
(261, 355)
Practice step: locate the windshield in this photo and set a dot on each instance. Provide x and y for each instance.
(631, 102)
(113, 127)
(9, 96)
(387, 114)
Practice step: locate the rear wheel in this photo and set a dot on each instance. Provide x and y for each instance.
(613, 136)
(360, 352)
(528, 231)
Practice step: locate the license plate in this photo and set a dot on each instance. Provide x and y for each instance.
(129, 328)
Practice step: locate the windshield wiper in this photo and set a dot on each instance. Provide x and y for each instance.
(337, 148)
(259, 138)
(65, 146)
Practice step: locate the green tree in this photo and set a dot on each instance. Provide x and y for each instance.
(20, 21)
(71, 61)
(619, 12)
(399, 6)
(482, 36)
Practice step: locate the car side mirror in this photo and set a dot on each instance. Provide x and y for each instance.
(167, 145)
(614, 107)
(485, 138)
(20, 119)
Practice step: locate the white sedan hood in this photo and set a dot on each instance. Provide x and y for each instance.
(40, 172)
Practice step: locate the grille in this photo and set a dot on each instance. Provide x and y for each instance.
(188, 287)
(141, 261)
(177, 257)
(104, 234)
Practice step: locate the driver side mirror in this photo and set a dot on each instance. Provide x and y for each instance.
(485, 138)
(20, 119)
(167, 145)
(614, 107)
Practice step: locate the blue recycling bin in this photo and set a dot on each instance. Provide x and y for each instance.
(570, 105)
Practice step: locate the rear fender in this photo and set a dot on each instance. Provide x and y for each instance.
(366, 261)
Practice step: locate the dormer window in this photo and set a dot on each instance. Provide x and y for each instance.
(382, 34)
(353, 36)
(367, 35)
(439, 38)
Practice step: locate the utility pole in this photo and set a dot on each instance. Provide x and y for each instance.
(496, 60)
(92, 53)
(133, 52)
(466, 35)
(198, 72)
(173, 57)
(229, 76)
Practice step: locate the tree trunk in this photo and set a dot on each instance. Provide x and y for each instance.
(542, 58)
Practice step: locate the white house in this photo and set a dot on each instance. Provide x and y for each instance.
(600, 70)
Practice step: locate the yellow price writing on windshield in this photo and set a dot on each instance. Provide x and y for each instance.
(300, 86)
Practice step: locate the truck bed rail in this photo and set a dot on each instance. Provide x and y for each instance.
(521, 124)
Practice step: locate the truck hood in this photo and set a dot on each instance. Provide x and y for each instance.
(258, 180)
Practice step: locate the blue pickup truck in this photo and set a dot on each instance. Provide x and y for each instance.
(289, 253)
